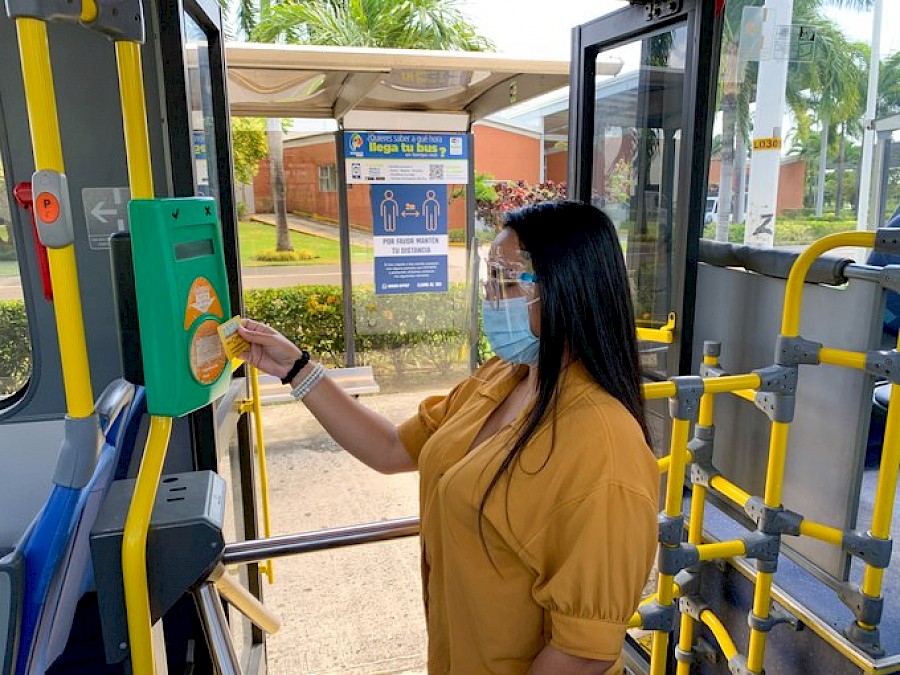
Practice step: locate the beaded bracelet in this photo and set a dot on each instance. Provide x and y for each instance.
(307, 383)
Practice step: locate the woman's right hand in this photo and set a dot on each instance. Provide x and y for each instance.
(269, 351)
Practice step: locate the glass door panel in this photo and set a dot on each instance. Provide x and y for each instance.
(636, 145)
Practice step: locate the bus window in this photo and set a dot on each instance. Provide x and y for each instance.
(15, 347)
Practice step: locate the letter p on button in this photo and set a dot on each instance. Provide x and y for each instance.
(47, 207)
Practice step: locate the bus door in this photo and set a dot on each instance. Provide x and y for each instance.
(638, 148)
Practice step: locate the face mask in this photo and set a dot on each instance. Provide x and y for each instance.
(508, 330)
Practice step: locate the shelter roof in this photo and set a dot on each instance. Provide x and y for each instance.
(379, 88)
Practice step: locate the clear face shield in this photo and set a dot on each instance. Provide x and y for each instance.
(509, 294)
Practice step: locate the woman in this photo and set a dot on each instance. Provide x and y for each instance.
(538, 489)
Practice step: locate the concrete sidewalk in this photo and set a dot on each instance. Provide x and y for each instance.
(315, 227)
(355, 610)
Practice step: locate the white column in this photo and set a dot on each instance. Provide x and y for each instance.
(865, 164)
(765, 157)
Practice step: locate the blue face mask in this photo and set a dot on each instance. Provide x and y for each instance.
(508, 330)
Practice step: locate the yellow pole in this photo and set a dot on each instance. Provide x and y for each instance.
(34, 51)
(134, 546)
(746, 394)
(695, 526)
(88, 11)
(721, 549)
(772, 498)
(825, 533)
(674, 489)
(263, 471)
(134, 119)
(793, 294)
(134, 556)
(730, 383)
(654, 390)
(841, 357)
(726, 644)
(886, 490)
(728, 489)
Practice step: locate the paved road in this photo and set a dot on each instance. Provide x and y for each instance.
(278, 276)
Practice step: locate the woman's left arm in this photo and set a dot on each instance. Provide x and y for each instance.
(552, 661)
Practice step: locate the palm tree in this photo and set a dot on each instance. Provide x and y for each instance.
(827, 90)
(406, 24)
(889, 86)
(399, 24)
(738, 91)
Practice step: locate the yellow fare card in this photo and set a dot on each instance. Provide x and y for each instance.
(234, 344)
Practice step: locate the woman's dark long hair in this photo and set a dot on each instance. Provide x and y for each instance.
(586, 310)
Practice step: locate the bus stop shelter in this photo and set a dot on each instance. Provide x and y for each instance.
(386, 90)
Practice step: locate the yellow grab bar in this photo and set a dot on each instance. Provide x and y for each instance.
(721, 549)
(134, 119)
(886, 490)
(726, 644)
(793, 294)
(728, 489)
(840, 357)
(653, 390)
(261, 455)
(40, 99)
(665, 334)
(134, 546)
(825, 533)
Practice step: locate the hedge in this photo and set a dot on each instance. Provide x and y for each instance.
(789, 232)
(15, 347)
(396, 334)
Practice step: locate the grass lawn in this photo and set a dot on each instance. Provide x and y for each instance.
(256, 237)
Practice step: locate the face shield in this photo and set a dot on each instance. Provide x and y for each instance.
(509, 291)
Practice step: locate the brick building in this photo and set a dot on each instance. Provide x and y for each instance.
(503, 151)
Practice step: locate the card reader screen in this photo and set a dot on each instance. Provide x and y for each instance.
(193, 249)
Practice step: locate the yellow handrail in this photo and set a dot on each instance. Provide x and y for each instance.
(134, 546)
(674, 492)
(664, 334)
(728, 489)
(40, 99)
(695, 526)
(841, 357)
(726, 644)
(134, 119)
(885, 491)
(721, 549)
(793, 293)
(263, 471)
(825, 533)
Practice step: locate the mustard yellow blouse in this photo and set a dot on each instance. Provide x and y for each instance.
(569, 539)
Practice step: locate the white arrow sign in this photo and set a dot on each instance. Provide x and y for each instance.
(99, 212)
(202, 301)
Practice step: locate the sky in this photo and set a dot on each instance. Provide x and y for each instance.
(532, 30)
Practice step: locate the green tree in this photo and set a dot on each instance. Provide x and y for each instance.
(889, 86)
(399, 24)
(738, 84)
(248, 145)
(406, 24)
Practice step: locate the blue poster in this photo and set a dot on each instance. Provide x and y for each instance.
(382, 145)
(406, 158)
(409, 228)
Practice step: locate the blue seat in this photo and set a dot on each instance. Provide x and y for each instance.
(50, 568)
